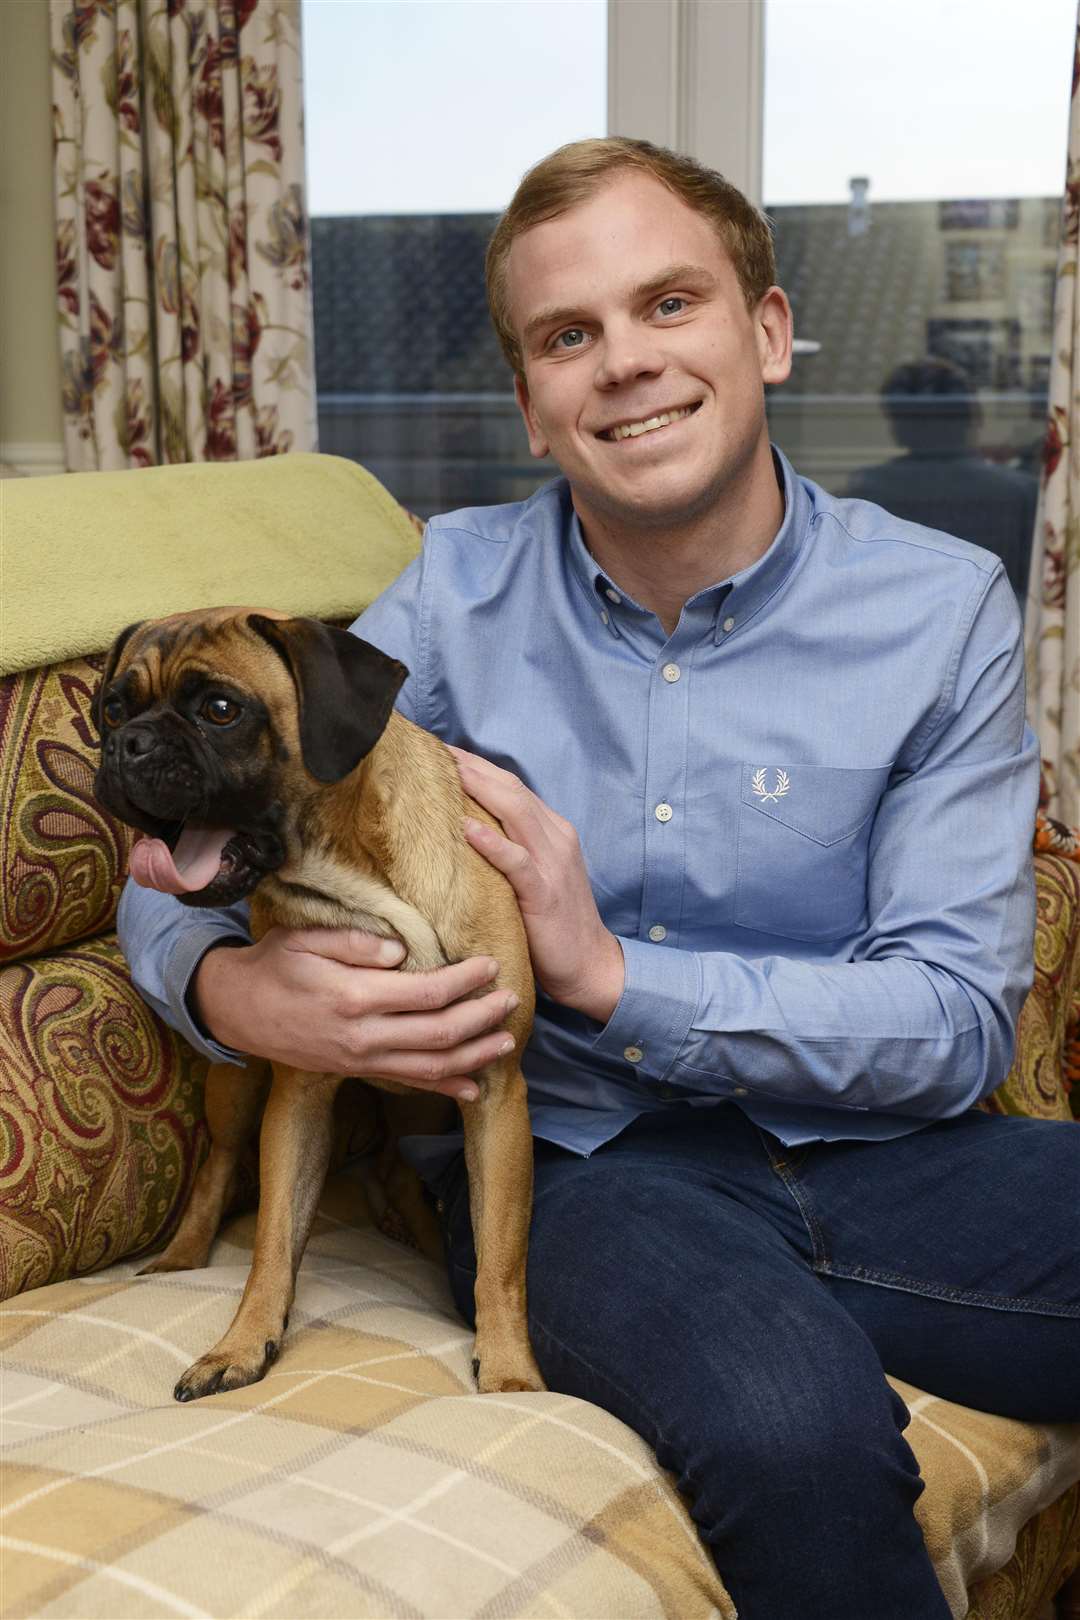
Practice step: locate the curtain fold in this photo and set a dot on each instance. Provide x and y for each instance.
(183, 280)
(1053, 607)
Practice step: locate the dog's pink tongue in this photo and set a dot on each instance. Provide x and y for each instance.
(193, 865)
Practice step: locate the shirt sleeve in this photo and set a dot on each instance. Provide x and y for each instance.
(921, 1019)
(163, 940)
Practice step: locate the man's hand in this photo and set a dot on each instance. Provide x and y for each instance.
(322, 999)
(576, 959)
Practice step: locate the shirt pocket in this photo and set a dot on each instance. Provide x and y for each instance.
(804, 831)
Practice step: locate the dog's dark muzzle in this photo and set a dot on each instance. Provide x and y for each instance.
(144, 770)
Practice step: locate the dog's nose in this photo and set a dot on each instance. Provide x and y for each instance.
(138, 741)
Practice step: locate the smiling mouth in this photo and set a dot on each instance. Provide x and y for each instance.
(648, 424)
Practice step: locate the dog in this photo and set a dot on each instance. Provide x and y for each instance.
(266, 752)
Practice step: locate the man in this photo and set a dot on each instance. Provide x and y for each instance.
(768, 797)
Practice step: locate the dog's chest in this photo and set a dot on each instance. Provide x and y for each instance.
(319, 891)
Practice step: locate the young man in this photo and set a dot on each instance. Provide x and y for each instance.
(768, 796)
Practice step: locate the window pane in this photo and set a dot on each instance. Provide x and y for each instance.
(914, 164)
(421, 117)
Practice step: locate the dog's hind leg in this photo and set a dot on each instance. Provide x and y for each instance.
(234, 1097)
(294, 1152)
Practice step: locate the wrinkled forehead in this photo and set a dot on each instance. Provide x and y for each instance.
(607, 246)
(166, 654)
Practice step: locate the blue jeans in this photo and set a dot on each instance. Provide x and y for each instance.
(737, 1302)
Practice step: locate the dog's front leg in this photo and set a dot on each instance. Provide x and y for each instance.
(499, 1157)
(294, 1152)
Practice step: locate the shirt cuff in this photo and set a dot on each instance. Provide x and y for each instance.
(653, 1016)
(187, 954)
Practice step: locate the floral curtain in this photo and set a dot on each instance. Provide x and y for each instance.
(181, 232)
(1053, 608)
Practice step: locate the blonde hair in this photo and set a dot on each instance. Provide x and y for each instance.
(575, 172)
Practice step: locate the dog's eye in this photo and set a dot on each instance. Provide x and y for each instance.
(220, 711)
(113, 712)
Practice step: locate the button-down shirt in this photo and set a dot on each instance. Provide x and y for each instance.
(806, 813)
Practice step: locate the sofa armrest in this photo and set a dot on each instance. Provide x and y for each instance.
(1038, 1082)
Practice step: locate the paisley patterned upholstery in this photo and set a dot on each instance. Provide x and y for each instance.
(62, 859)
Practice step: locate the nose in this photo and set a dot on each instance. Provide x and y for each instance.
(136, 742)
(628, 350)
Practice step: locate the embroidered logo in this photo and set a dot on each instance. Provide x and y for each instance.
(783, 785)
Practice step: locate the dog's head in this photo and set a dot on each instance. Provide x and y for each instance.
(213, 723)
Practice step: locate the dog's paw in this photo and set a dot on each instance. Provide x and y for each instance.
(221, 1370)
(163, 1263)
(497, 1374)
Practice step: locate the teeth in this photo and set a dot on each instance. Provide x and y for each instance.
(632, 430)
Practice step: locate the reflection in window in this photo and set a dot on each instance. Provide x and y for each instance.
(925, 389)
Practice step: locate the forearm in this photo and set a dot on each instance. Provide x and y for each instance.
(165, 943)
(893, 1035)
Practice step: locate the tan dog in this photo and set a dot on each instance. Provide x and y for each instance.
(267, 752)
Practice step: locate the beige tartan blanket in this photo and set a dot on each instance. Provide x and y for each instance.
(364, 1476)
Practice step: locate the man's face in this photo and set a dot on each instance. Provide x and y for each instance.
(628, 309)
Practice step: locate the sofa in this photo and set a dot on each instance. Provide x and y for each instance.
(364, 1476)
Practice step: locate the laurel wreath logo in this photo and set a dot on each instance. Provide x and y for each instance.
(783, 785)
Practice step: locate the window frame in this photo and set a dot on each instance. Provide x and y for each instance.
(690, 74)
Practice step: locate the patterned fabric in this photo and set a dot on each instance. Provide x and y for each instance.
(181, 231)
(1053, 609)
(62, 859)
(364, 1476)
(101, 1117)
(1047, 1551)
(1036, 1083)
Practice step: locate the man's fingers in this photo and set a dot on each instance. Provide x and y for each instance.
(351, 946)
(440, 1031)
(427, 992)
(440, 1071)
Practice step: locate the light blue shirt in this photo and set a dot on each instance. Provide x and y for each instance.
(807, 814)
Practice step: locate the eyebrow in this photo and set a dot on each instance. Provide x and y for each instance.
(560, 314)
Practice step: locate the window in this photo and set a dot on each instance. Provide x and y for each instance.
(914, 158)
(421, 117)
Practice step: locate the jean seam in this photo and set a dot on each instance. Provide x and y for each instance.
(819, 1248)
(956, 1296)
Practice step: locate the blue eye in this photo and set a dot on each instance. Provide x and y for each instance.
(671, 306)
(573, 338)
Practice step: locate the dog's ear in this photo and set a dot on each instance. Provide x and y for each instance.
(345, 691)
(117, 648)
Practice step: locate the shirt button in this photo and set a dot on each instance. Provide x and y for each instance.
(671, 672)
(613, 596)
(663, 812)
(729, 624)
(605, 615)
(657, 932)
(739, 1091)
(633, 1054)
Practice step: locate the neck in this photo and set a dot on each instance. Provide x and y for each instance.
(663, 564)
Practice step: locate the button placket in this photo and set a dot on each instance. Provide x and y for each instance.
(664, 785)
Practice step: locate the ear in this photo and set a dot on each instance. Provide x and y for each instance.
(345, 690)
(773, 323)
(538, 443)
(110, 670)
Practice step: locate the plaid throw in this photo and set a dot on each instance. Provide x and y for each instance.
(364, 1476)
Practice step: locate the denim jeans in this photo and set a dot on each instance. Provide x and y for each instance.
(737, 1303)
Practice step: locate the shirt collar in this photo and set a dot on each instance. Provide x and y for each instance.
(740, 596)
